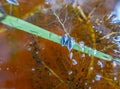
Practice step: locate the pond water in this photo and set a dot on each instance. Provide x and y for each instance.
(31, 62)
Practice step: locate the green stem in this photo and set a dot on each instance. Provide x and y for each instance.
(38, 31)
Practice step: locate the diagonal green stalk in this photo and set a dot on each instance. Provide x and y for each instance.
(38, 31)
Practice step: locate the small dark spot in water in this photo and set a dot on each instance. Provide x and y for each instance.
(83, 69)
(98, 41)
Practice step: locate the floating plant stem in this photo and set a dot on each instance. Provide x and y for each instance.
(53, 72)
(38, 31)
(93, 52)
(30, 28)
(108, 35)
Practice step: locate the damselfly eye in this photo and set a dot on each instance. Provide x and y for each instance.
(15, 2)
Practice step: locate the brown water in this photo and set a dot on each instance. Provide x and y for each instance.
(31, 62)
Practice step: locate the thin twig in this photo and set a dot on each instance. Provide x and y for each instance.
(82, 12)
(94, 9)
(63, 26)
(52, 72)
(107, 47)
(58, 85)
(80, 9)
(112, 33)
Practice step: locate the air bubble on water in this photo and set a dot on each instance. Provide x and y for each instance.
(114, 64)
(83, 55)
(91, 68)
(100, 64)
(81, 43)
(46, 2)
(90, 88)
(96, 30)
(82, 49)
(101, 21)
(33, 69)
(115, 78)
(107, 37)
(37, 52)
(95, 52)
(100, 32)
(70, 72)
(93, 80)
(89, 55)
(29, 48)
(90, 49)
(49, 73)
(98, 77)
(7, 68)
(93, 26)
(74, 62)
(30, 42)
(43, 48)
(71, 55)
(86, 83)
(116, 51)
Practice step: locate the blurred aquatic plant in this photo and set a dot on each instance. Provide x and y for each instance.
(115, 14)
(38, 31)
(116, 40)
(3, 15)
